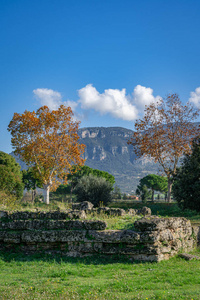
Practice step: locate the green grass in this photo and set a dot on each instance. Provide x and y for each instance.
(160, 209)
(97, 277)
(118, 223)
(55, 277)
(115, 223)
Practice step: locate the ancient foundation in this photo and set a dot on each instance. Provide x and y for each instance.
(153, 239)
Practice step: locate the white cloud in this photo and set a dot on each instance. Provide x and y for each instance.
(112, 101)
(195, 97)
(52, 99)
(116, 102)
(143, 96)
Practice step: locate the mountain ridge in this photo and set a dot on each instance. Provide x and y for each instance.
(107, 150)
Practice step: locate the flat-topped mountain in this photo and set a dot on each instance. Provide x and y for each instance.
(107, 150)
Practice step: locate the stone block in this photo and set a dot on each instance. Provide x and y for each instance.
(85, 205)
(132, 212)
(3, 214)
(76, 214)
(71, 235)
(196, 233)
(129, 237)
(156, 223)
(145, 211)
(11, 238)
(108, 236)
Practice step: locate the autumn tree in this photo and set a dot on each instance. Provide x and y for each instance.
(164, 133)
(47, 141)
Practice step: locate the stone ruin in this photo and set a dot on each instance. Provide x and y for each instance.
(153, 238)
(89, 207)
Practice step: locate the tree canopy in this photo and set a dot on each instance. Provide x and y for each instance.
(77, 172)
(96, 190)
(10, 175)
(48, 141)
(186, 185)
(30, 182)
(143, 192)
(165, 132)
(80, 171)
(155, 183)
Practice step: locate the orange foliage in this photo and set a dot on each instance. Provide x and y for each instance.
(165, 132)
(48, 140)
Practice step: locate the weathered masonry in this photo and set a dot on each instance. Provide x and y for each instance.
(154, 239)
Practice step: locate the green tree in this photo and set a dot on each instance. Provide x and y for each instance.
(78, 172)
(117, 193)
(10, 175)
(30, 181)
(155, 183)
(125, 197)
(96, 190)
(186, 185)
(143, 192)
(63, 190)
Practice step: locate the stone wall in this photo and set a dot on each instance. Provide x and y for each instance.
(154, 239)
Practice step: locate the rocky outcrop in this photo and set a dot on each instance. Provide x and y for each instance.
(88, 207)
(85, 205)
(110, 211)
(154, 239)
(145, 211)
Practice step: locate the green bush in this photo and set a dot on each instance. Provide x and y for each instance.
(96, 190)
(10, 175)
(8, 200)
(187, 184)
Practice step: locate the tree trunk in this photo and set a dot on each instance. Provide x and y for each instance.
(152, 197)
(46, 188)
(71, 191)
(169, 190)
(32, 195)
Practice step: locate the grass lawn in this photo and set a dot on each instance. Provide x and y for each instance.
(59, 277)
(55, 277)
(160, 209)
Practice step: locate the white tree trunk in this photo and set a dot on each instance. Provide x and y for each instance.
(46, 188)
(169, 190)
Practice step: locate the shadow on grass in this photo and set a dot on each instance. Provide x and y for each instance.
(98, 259)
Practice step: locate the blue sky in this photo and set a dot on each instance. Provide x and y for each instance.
(107, 58)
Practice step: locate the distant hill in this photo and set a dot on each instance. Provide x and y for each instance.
(107, 150)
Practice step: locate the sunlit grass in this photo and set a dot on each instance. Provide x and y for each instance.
(33, 277)
(55, 277)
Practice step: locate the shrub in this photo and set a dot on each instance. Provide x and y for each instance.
(94, 189)
(186, 184)
(10, 175)
(7, 200)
